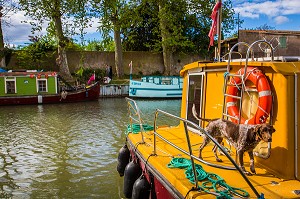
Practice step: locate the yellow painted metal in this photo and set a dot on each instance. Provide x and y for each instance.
(264, 181)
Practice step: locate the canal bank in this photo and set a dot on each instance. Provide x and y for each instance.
(114, 90)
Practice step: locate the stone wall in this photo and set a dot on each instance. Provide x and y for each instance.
(285, 43)
(145, 63)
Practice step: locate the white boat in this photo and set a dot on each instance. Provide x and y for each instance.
(156, 87)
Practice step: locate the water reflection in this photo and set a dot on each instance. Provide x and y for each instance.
(66, 151)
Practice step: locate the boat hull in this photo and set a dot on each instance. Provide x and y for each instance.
(88, 94)
(161, 188)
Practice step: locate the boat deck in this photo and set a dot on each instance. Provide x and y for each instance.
(264, 182)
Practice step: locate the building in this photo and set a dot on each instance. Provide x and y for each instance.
(284, 43)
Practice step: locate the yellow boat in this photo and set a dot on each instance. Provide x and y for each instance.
(162, 162)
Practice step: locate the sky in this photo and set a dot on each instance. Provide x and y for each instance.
(280, 14)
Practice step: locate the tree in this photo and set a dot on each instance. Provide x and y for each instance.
(99, 46)
(6, 6)
(141, 32)
(110, 14)
(56, 13)
(174, 26)
(37, 52)
(264, 27)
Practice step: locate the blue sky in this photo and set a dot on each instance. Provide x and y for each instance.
(280, 14)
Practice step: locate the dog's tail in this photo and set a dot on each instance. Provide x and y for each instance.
(200, 118)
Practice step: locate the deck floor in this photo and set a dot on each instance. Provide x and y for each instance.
(263, 181)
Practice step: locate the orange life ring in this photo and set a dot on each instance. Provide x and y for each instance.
(264, 94)
(39, 76)
(46, 76)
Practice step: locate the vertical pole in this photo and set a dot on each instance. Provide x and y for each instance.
(219, 30)
(130, 70)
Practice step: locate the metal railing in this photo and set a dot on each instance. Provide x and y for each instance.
(135, 115)
(189, 152)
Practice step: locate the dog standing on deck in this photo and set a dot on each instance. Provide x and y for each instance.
(243, 137)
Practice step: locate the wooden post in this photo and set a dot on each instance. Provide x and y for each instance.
(219, 30)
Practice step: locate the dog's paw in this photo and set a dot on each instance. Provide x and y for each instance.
(252, 170)
(245, 172)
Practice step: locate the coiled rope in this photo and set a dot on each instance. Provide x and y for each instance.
(210, 181)
(136, 128)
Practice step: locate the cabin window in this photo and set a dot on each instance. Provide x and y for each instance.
(195, 90)
(10, 86)
(282, 42)
(42, 85)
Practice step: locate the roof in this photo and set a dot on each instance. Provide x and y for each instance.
(17, 73)
(282, 32)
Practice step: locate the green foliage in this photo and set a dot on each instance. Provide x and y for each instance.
(187, 25)
(141, 33)
(263, 27)
(104, 45)
(36, 53)
(88, 72)
(187, 22)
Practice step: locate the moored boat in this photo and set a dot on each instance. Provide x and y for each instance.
(248, 91)
(33, 87)
(156, 87)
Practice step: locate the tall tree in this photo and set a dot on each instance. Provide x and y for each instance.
(110, 14)
(3, 64)
(141, 32)
(174, 26)
(6, 7)
(56, 12)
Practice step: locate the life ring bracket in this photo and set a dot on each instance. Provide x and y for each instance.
(235, 89)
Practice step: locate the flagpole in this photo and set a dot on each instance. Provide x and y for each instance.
(130, 70)
(219, 30)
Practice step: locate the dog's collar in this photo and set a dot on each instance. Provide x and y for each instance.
(258, 136)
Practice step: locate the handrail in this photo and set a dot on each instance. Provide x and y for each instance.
(189, 153)
(133, 108)
(231, 50)
(250, 48)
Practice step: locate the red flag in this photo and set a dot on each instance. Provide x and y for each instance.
(92, 78)
(214, 17)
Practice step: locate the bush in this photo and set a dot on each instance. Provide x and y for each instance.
(88, 72)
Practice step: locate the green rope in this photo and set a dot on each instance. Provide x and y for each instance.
(136, 128)
(210, 181)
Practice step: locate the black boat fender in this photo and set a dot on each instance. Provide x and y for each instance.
(141, 188)
(123, 159)
(131, 174)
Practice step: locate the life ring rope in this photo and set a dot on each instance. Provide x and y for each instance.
(264, 103)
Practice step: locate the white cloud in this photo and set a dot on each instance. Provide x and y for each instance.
(281, 19)
(18, 32)
(270, 8)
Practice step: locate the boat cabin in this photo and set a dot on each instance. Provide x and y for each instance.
(163, 80)
(29, 82)
(208, 87)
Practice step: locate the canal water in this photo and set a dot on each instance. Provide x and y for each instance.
(67, 150)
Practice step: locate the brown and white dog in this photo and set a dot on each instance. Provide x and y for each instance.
(243, 137)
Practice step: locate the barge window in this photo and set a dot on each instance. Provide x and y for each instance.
(194, 95)
(10, 86)
(42, 86)
(282, 42)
